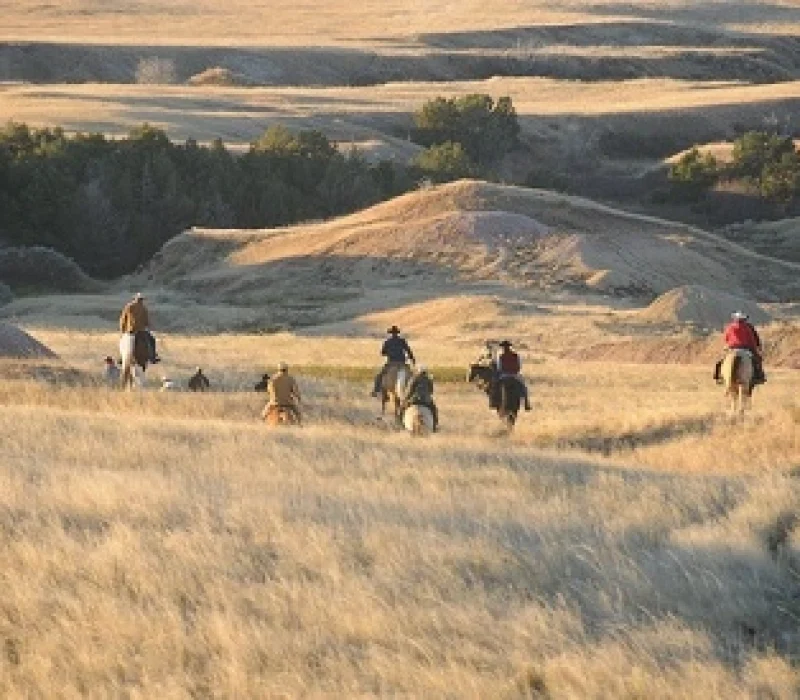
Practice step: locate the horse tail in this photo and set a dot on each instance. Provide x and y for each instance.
(400, 381)
(736, 363)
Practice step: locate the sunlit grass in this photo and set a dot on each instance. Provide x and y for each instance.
(629, 540)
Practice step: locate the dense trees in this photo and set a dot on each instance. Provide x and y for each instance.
(110, 204)
(766, 163)
(485, 130)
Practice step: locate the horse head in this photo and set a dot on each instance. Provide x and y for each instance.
(481, 375)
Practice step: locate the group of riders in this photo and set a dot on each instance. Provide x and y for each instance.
(505, 365)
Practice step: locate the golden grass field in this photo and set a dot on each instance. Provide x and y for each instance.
(629, 540)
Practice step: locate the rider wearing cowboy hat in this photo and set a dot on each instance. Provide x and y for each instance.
(509, 365)
(740, 334)
(420, 392)
(135, 319)
(395, 349)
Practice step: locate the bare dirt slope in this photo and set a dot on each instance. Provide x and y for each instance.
(701, 306)
(467, 232)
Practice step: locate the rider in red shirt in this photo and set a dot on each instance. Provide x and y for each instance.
(509, 365)
(740, 334)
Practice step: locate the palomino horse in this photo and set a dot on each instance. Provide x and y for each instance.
(509, 391)
(737, 375)
(393, 384)
(135, 353)
(418, 420)
(280, 415)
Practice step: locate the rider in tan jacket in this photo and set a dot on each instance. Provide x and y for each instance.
(283, 391)
(134, 317)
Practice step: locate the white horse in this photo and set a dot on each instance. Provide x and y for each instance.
(418, 420)
(737, 374)
(132, 371)
(393, 387)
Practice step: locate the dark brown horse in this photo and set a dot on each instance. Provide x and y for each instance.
(505, 394)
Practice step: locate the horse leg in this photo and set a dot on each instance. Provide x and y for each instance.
(125, 376)
(746, 395)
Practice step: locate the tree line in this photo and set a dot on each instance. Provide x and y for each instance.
(110, 204)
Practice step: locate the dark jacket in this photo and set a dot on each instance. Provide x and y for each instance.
(199, 382)
(395, 349)
(420, 390)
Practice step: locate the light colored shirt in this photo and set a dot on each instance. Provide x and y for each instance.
(283, 390)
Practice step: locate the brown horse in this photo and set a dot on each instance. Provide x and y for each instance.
(135, 353)
(737, 375)
(393, 384)
(280, 415)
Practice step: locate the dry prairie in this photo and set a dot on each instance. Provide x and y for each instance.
(629, 540)
(277, 22)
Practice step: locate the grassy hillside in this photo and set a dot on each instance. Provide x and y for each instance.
(315, 23)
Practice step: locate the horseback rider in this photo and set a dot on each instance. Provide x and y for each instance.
(135, 319)
(198, 381)
(740, 334)
(283, 392)
(395, 349)
(509, 365)
(420, 392)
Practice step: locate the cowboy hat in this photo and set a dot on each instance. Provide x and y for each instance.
(738, 315)
(282, 367)
(505, 343)
(138, 296)
(393, 329)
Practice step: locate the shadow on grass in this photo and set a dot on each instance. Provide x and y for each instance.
(606, 445)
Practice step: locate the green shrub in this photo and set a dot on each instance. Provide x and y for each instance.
(444, 162)
(693, 174)
(485, 129)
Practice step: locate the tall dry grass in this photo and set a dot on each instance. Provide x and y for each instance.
(628, 541)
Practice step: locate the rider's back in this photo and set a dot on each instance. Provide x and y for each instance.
(134, 318)
(740, 335)
(282, 389)
(509, 363)
(395, 349)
